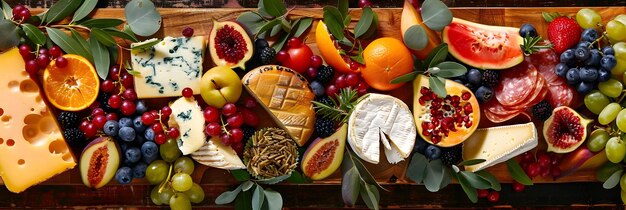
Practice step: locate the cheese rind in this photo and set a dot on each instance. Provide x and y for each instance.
(32, 148)
(188, 117)
(217, 155)
(499, 144)
(168, 67)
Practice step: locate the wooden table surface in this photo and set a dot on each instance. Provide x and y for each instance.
(579, 189)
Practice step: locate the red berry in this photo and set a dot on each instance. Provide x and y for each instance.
(166, 111)
(157, 128)
(24, 14)
(97, 112)
(160, 138)
(99, 121)
(173, 132)
(61, 62)
(114, 72)
(249, 117)
(555, 172)
(90, 130)
(249, 102)
(32, 67)
(147, 118)
(332, 90)
(294, 43)
(365, 3)
(483, 193)
(528, 157)
(107, 86)
(111, 116)
(55, 51)
(311, 72)
(188, 31)
(43, 51)
(187, 92)
(17, 9)
(25, 52)
(352, 80)
(129, 94)
(126, 80)
(533, 170)
(229, 109)
(354, 65)
(43, 60)
(518, 187)
(282, 56)
(494, 196)
(340, 82)
(83, 125)
(544, 160)
(211, 114)
(237, 135)
(128, 108)
(213, 129)
(316, 61)
(226, 139)
(235, 121)
(115, 101)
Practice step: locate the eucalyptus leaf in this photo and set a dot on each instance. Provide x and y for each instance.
(447, 177)
(405, 78)
(101, 23)
(436, 15)
(343, 6)
(275, 30)
(302, 26)
(434, 176)
(251, 20)
(245, 186)
(363, 172)
(439, 55)
(475, 181)
(84, 10)
(449, 69)
(274, 200)
(365, 22)
(143, 17)
(274, 7)
(129, 31)
(240, 175)
(242, 202)
(347, 20)
(370, 195)
(121, 34)
(285, 24)
(415, 37)
(34, 34)
(278, 45)
(438, 85)
(103, 37)
(262, 10)
(9, 36)
(471, 162)
(146, 45)
(495, 185)
(62, 9)
(114, 53)
(334, 22)
(467, 188)
(83, 43)
(296, 177)
(65, 42)
(613, 180)
(517, 173)
(258, 197)
(268, 26)
(7, 11)
(416, 170)
(228, 196)
(350, 186)
(100, 55)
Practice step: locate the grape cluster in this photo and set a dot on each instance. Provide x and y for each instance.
(40, 58)
(21, 13)
(174, 185)
(227, 123)
(491, 195)
(542, 164)
(481, 82)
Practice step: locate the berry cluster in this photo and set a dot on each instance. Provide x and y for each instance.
(491, 195)
(448, 156)
(156, 120)
(69, 123)
(39, 59)
(21, 13)
(481, 82)
(263, 54)
(543, 164)
(228, 123)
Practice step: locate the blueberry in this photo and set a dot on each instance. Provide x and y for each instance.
(594, 59)
(140, 107)
(561, 69)
(484, 94)
(584, 87)
(573, 77)
(584, 44)
(126, 122)
(149, 151)
(318, 88)
(527, 29)
(604, 75)
(608, 62)
(474, 76)
(111, 128)
(133, 154)
(139, 171)
(589, 35)
(567, 56)
(588, 74)
(149, 134)
(124, 175)
(582, 53)
(432, 152)
(123, 146)
(139, 139)
(138, 125)
(261, 43)
(608, 50)
(420, 146)
(127, 134)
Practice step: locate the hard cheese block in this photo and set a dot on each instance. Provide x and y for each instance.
(188, 118)
(498, 144)
(215, 154)
(168, 67)
(32, 148)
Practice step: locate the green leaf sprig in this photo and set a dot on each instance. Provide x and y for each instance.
(517, 173)
(358, 181)
(436, 16)
(340, 109)
(250, 195)
(531, 45)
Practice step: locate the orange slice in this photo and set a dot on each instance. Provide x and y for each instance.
(73, 87)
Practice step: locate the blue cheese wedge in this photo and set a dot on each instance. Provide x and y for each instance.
(168, 67)
(499, 144)
(188, 118)
(217, 155)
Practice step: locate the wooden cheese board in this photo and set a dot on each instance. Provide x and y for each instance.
(67, 189)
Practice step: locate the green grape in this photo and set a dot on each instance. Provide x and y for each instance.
(166, 194)
(623, 196)
(155, 197)
(620, 55)
(157, 171)
(620, 18)
(181, 182)
(195, 194)
(609, 113)
(611, 88)
(616, 30)
(588, 18)
(184, 164)
(169, 151)
(180, 201)
(595, 101)
(615, 150)
(622, 182)
(621, 120)
(597, 140)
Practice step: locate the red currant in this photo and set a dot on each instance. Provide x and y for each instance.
(187, 92)
(494, 196)
(527, 157)
(112, 116)
(128, 108)
(249, 117)
(311, 72)
(43, 51)
(173, 132)
(129, 94)
(43, 60)
(25, 52)
(160, 138)
(107, 86)
(126, 80)
(354, 65)
(90, 130)
(235, 121)
(294, 43)
(157, 128)
(188, 31)
(518, 187)
(55, 51)
(99, 121)
(483, 193)
(32, 67)
(114, 72)
(226, 139)
(533, 170)
(316, 61)
(340, 82)
(18, 8)
(115, 101)
(61, 62)
(166, 110)
(213, 129)
(237, 135)
(229, 109)
(249, 102)
(211, 114)
(332, 90)
(282, 56)
(97, 112)
(83, 125)
(147, 118)
(25, 14)
(544, 160)
(352, 80)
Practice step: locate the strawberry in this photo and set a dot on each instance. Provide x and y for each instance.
(564, 33)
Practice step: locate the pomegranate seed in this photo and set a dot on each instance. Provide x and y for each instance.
(425, 133)
(455, 99)
(494, 196)
(466, 119)
(466, 96)
(468, 124)
(447, 107)
(424, 90)
(483, 193)
(422, 102)
(467, 108)
(435, 139)
(187, 92)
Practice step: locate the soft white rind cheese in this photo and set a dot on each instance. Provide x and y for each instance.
(381, 118)
(188, 117)
(168, 67)
(499, 144)
(217, 155)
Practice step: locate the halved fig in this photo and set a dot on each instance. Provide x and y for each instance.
(99, 162)
(324, 155)
(565, 130)
(229, 44)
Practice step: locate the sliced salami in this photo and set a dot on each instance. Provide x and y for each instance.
(539, 93)
(497, 118)
(545, 61)
(516, 84)
(495, 107)
(560, 95)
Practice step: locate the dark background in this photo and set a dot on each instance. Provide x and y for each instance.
(353, 3)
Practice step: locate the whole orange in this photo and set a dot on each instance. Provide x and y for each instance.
(385, 59)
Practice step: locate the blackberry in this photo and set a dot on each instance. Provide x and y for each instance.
(452, 155)
(325, 74)
(248, 131)
(542, 110)
(74, 136)
(324, 127)
(267, 55)
(490, 78)
(68, 119)
(325, 100)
